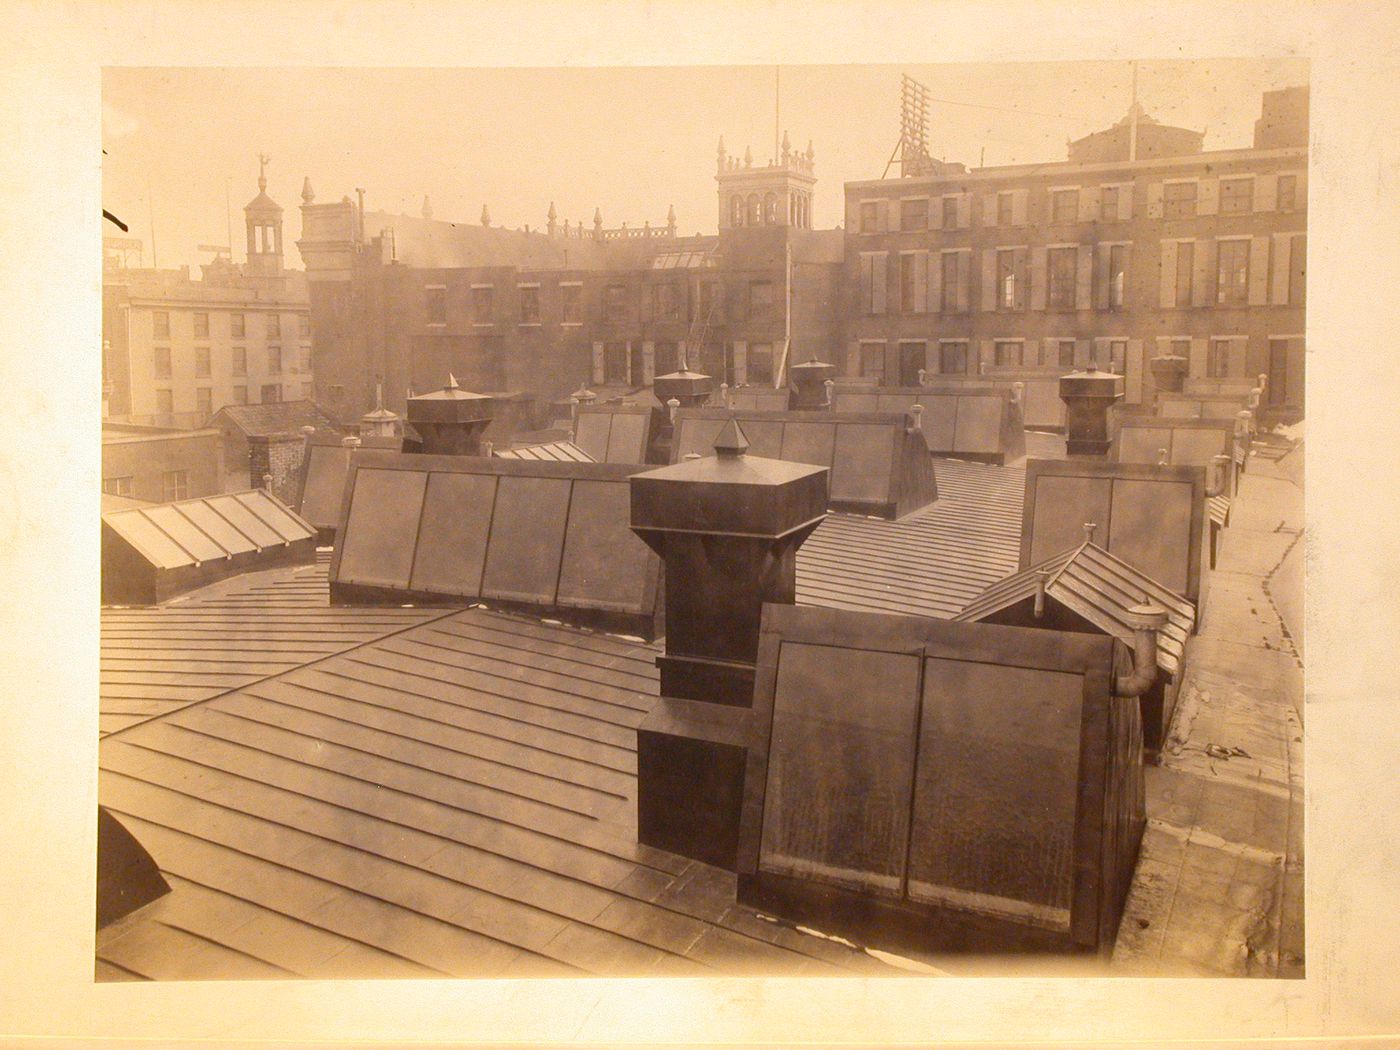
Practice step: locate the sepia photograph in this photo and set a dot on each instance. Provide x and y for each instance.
(817, 520)
(700, 523)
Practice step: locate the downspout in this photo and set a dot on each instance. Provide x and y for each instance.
(1146, 620)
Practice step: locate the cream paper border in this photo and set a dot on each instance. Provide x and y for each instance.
(49, 505)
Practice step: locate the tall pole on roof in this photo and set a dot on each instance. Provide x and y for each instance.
(151, 207)
(228, 214)
(777, 106)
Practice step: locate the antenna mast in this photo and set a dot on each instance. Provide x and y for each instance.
(912, 148)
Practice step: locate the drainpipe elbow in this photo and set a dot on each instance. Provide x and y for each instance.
(1146, 620)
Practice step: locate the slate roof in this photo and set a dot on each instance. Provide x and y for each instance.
(455, 799)
(1099, 587)
(275, 417)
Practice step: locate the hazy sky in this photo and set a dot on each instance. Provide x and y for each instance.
(632, 141)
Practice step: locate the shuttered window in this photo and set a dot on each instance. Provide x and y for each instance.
(1236, 196)
(1062, 278)
(1179, 200)
(1064, 206)
(913, 214)
(1232, 273)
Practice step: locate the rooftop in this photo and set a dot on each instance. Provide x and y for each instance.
(276, 417)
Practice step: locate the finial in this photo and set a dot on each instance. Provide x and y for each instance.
(1089, 527)
(379, 397)
(485, 216)
(731, 442)
(597, 218)
(748, 157)
(451, 382)
(721, 151)
(811, 153)
(307, 195)
(552, 214)
(787, 147)
(671, 217)
(263, 161)
(427, 207)
(917, 411)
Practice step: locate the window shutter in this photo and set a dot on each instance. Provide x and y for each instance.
(990, 292)
(1134, 366)
(1203, 274)
(1208, 197)
(741, 363)
(1154, 200)
(1089, 197)
(1199, 348)
(1081, 352)
(1259, 271)
(1283, 259)
(1019, 201)
(1084, 278)
(879, 277)
(989, 209)
(921, 283)
(964, 211)
(648, 362)
(1102, 281)
(867, 283)
(986, 359)
(597, 363)
(1266, 193)
(1125, 201)
(1021, 268)
(935, 282)
(964, 280)
(1239, 357)
(1166, 278)
(935, 213)
(1039, 261)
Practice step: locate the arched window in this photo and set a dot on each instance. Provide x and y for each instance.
(736, 210)
(770, 209)
(755, 215)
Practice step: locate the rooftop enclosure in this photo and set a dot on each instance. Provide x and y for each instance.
(1149, 516)
(1201, 406)
(879, 464)
(324, 468)
(759, 399)
(1086, 589)
(1185, 442)
(151, 554)
(1039, 393)
(980, 424)
(935, 786)
(548, 538)
(615, 433)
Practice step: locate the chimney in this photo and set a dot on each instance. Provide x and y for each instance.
(691, 389)
(381, 422)
(727, 528)
(1088, 397)
(809, 384)
(450, 421)
(1169, 373)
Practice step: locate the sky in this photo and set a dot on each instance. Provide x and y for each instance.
(181, 145)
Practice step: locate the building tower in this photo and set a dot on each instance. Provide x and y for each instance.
(263, 218)
(777, 195)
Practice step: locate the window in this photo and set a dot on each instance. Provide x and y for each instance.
(1007, 353)
(160, 324)
(949, 263)
(1066, 353)
(1108, 204)
(1005, 209)
(952, 358)
(872, 283)
(872, 362)
(666, 302)
(709, 300)
(305, 355)
(869, 216)
(530, 304)
(274, 325)
(1218, 359)
(615, 363)
(201, 362)
(950, 213)
(1117, 268)
(274, 360)
(1297, 270)
(736, 210)
(240, 395)
(770, 209)
(760, 298)
(913, 359)
(570, 303)
(201, 326)
(1006, 279)
(117, 486)
(615, 303)
(165, 401)
(907, 283)
(483, 304)
(1185, 267)
(761, 364)
(304, 325)
(913, 215)
(240, 361)
(1287, 192)
(1236, 196)
(1179, 200)
(160, 362)
(754, 210)
(435, 305)
(1061, 291)
(1232, 275)
(1118, 356)
(203, 402)
(1064, 206)
(237, 326)
(271, 393)
(174, 484)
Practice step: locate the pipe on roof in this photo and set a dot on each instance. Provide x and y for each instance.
(1146, 620)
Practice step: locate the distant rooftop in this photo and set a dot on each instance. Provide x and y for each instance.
(274, 417)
